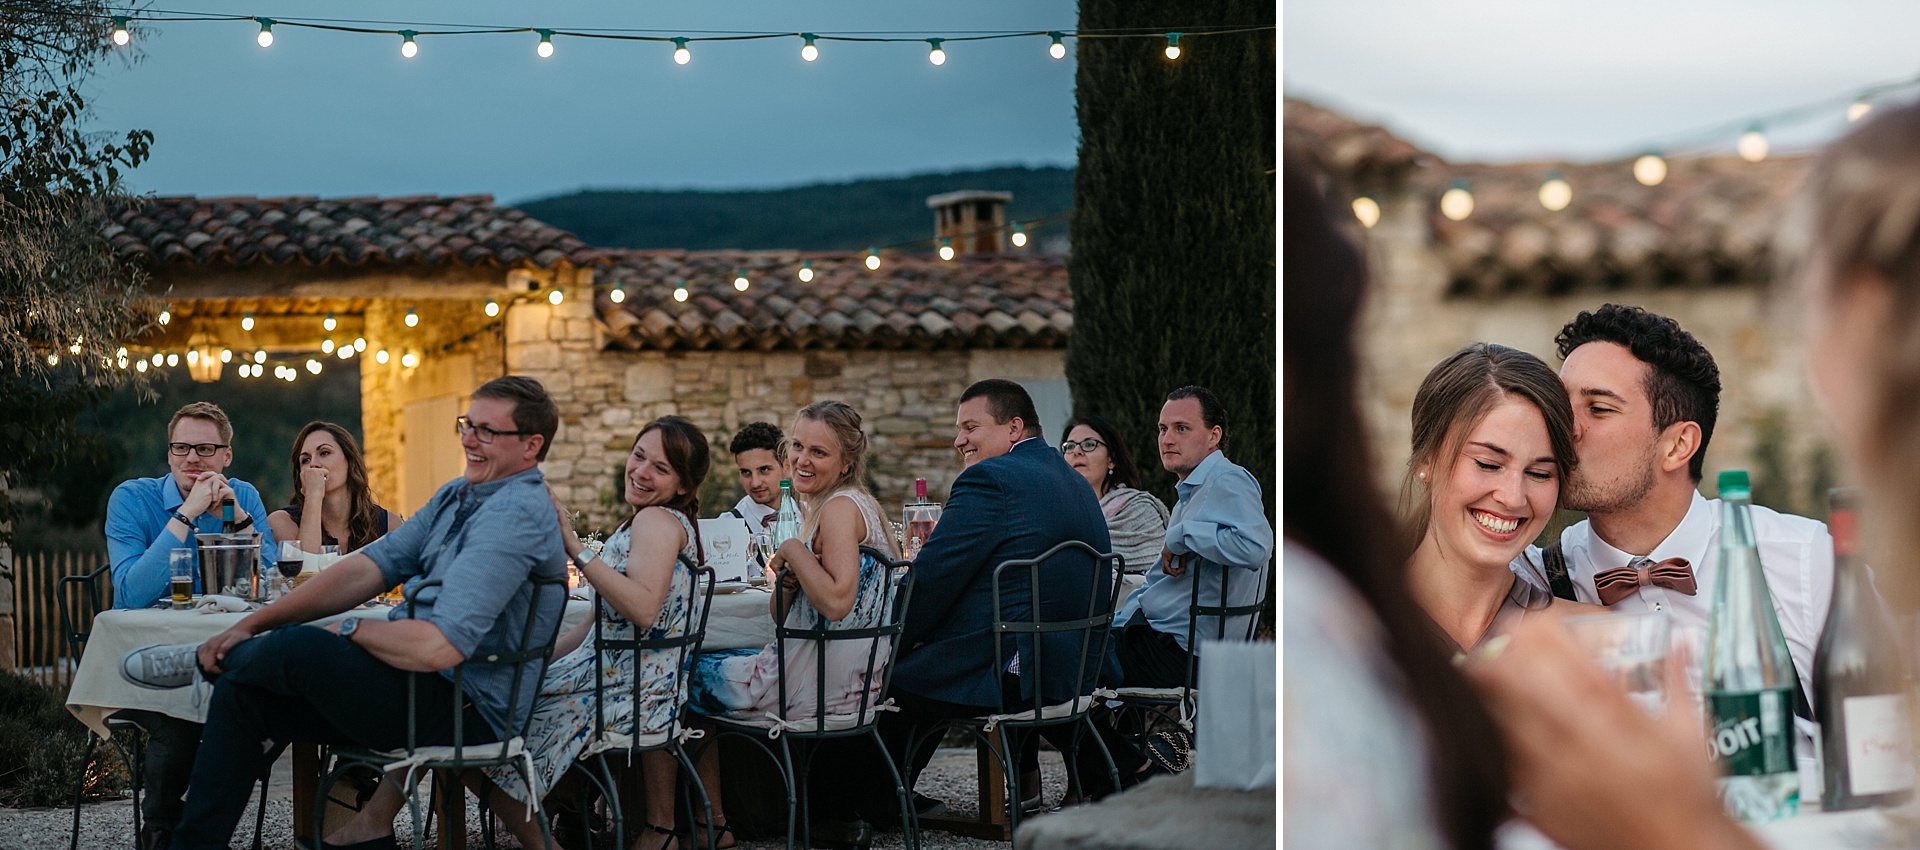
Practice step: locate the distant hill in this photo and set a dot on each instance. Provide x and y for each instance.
(847, 216)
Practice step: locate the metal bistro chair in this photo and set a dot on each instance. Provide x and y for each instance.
(1094, 626)
(460, 755)
(821, 725)
(88, 593)
(1177, 705)
(632, 739)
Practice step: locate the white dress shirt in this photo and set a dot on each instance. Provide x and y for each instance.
(754, 513)
(1796, 554)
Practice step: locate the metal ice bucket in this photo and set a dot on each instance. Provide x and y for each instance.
(230, 564)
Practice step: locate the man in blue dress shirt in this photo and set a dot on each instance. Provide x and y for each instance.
(147, 518)
(1218, 524)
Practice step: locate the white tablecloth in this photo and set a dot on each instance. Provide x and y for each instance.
(1858, 829)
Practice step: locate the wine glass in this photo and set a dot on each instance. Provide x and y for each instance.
(291, 560)
(763, 543)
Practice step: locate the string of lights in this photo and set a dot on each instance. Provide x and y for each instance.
(411, 33)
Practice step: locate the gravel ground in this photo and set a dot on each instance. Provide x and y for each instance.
(950, 777)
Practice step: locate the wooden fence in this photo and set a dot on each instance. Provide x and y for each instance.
(40, 642)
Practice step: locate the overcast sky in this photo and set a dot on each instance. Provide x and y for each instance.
(1507, 80)
(332, 114)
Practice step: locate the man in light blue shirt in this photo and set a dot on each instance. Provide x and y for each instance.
(147, 518)
(1218, 528)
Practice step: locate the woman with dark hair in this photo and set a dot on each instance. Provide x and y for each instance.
(1136, 521)
(1492, 440)
(1387, 745)
(329, 471)
(639, 574)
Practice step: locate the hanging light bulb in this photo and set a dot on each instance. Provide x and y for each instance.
(1019, 237)
(409, 360)
(680, 291)
(226, 355)
(681, 55)
(159, 358)
(120, 35)
(492, 309)
(937, 55)
(173, 360)
(313, 366)
(412, 317)
(806, 271)
(192, 357)
(265, 38)
(74, 348)
(140, 366)
(946, 249)
(1555, 192)
(328, 323)
(1858, 109)
(1753, 144)
(873, 259)
(556, 296)
(122, 362)
(359, 344)
(1457, 202)
(166, 315)
(246, 322)
(1173, 45)
(345, 352)
(380, 357)
(1058, 49)
(740, 281)
(326, 346)
(53, 360)
(1367, 210)
(808, 51)
(407, 47)
(545, 47)
(619, 294)
(1650, 169)
(260, 355)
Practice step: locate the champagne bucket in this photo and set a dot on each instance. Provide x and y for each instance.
(230, 564)
(920, 518)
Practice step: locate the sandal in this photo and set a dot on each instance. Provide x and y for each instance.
(673, 838)
(719, 830)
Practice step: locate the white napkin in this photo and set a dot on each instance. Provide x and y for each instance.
(215, 603)
(1235, 749)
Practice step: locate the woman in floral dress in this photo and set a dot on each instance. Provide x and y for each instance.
(639, 575)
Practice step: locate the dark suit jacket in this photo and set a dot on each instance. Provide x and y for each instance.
(1017, 505)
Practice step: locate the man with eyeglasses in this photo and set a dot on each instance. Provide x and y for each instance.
(147, 518)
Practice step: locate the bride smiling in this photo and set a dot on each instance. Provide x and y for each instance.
(1492, 440)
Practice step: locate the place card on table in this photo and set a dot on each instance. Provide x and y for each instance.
(728, 545)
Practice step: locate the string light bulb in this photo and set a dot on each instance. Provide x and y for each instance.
(556, 296)
(873, 259)
(120, 35)
(326, 346)
(380, 357)
(359, 344)
(619, 294)
(680, 291)
(1019, 237)
(545, 47)
(412, 318)
(1457, 202)
(265, 38)
(345, 352)
(808, 51)
(226, 355)
(492, 308)
(740, 281)
(1858, 110)
(937, 55)
(140, 366)
(159, 358)
(260, 355)
(946, 249)
(1753, 144)
(173, 360)
(166, 315)
(408, 49)
(313, 366)
(806, 271)
(246, 322)
(53, 360)
(410, 360)
(329, 323)
(681, 55)
(1555, 192)
(192, 357)
(1650, 169)
(1173, 45)
(1367, 210)
(1058, 49)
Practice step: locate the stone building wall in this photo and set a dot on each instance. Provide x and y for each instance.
(1766, 423)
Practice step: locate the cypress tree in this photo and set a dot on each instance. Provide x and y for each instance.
(1172, 264)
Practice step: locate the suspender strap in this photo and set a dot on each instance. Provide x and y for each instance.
(1556, 567)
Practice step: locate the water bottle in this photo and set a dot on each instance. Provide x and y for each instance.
(786, 523)
(1749, 676)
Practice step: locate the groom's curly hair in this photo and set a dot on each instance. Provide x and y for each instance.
(1684, 383)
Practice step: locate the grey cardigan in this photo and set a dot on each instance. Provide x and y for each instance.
(1137, 525)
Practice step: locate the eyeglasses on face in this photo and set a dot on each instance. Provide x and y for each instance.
(462, 426)
(1085, 446)
(201, 449)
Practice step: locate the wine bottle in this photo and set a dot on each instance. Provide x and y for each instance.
(786, 523)
(227, 522)
(1861, 686)
(1749, 677)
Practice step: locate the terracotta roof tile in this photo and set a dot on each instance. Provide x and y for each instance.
(1002, 300)
(471, 231)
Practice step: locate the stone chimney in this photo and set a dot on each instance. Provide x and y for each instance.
(963, 216)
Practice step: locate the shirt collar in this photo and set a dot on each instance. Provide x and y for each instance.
(170, 497)
(1688, 540)
(488, 488)
(1201, 472)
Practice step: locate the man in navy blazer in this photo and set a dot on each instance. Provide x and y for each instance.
(1015, 499)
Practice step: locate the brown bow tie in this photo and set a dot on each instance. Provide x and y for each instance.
(1620, 582)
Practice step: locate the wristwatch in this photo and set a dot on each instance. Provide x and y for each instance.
(183, 520)
(347, 626)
